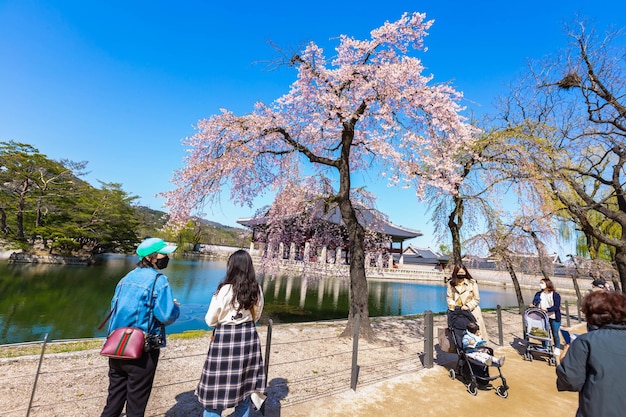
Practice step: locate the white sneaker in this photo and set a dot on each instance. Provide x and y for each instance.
(258, 399)
(557, 351)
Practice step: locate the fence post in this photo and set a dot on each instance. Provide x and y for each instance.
(268, 345)
(500, 331)
(32, 395)
(355, 351)
(429, 341)
(580, 317)
(567, 312)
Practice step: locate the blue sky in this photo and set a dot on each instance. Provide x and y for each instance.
(120, 83)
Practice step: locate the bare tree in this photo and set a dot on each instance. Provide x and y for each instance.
(570, 117)
(501, 241)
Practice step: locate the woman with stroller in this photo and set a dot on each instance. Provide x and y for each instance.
(463, 293)
(548, 300)
(594, 365)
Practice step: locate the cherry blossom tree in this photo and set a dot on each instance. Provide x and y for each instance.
(369, 107)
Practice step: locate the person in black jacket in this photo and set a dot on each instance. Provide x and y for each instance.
(547, 299)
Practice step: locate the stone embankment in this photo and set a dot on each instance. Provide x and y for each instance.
(23, 257)
(565, 285)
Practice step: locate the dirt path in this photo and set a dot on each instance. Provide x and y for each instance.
(309, 375)
(432, 393)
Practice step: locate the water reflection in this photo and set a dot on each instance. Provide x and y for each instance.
(71, 301)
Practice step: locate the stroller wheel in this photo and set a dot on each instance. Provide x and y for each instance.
(502, 391)
(452, 374)
(472, 388)
(552, 361)
(528, 356)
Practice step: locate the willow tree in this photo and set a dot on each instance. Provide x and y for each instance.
(570, 113)
(370, 107)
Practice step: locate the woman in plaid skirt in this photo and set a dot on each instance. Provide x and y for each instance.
(233, 370)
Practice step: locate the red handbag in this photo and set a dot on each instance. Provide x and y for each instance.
(124, 343)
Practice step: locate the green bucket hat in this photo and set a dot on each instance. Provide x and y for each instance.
(154, 245)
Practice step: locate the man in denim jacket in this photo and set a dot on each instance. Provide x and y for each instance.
(130, 381)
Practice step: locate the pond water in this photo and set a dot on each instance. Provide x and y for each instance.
(70, 302)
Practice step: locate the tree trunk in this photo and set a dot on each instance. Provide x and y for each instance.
(455, 222)
(620, 263)
(579, 296)
(541, 252)
(616, 284)
(518, 290)
(359, 294)
(38, 213)
(575, 280)
(3, 222)
(19, 217)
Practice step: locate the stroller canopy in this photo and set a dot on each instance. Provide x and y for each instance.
(459, 319)
(457, 322)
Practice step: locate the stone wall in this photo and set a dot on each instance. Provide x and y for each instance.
(564, 285)
(22, 257)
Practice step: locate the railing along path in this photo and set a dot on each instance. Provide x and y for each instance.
(306, 361)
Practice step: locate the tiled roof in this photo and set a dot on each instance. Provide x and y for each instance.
(365, 217)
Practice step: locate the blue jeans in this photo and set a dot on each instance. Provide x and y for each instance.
(556, 334)
(242, 410)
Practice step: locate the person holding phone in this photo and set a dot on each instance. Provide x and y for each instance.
(594, 364)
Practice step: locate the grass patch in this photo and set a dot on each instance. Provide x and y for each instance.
(14, 351)
(189, 334)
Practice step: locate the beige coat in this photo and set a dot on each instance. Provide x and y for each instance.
(467, 294)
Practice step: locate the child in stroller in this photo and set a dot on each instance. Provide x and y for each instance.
(473, 372)
(476, 348)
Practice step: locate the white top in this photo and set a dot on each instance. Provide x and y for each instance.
(547, 301)
(221, 311)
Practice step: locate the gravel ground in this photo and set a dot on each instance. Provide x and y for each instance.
(308, 363)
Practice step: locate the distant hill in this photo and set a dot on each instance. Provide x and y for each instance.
(152, 221)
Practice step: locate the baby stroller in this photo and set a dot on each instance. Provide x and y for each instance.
(538, 335)
(473, 373)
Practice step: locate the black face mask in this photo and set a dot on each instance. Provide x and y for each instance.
(161, 263)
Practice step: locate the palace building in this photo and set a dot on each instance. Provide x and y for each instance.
(309, 249)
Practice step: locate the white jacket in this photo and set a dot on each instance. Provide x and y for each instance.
(221, 310)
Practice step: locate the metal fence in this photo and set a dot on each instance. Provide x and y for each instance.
(75, 384)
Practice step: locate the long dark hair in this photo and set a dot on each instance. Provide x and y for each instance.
(240, 274)
(459, 272)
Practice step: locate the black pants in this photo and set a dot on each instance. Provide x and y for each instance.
(130, 383)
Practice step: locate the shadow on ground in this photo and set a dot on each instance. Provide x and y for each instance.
(187, 403)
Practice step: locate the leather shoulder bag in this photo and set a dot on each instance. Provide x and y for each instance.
(127, 342)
